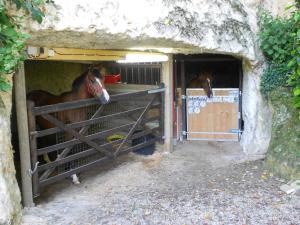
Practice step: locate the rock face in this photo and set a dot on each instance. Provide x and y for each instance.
(170, 26)
(185, 26)
(181, 26)
(283, 153)
(10, 199)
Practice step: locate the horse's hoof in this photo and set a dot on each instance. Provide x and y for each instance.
(75, 179)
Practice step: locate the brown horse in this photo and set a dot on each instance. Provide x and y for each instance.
(203, 80)
(89, 84)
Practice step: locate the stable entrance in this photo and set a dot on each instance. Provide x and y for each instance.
(202, 117)
(84, 132)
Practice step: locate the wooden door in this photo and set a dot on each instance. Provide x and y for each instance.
(215, 118)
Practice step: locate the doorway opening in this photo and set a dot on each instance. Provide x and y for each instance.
(199, 116)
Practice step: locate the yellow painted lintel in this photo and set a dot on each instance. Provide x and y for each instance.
(76, 54)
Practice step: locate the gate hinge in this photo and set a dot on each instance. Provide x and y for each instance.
(183, 96)
(31, 172)
(235, 131)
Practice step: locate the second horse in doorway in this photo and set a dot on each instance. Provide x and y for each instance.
(203, 80)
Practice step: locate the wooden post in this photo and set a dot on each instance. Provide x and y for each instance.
(33, 148)
(20, 96)
(183, 93)
(162, 113)
(167, 79)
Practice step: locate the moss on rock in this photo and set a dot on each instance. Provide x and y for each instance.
(283, 157)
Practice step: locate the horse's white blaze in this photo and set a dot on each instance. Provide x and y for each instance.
(105, 93)
(98, 81)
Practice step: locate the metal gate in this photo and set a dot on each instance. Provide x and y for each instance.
(215, 118)
(77, 147)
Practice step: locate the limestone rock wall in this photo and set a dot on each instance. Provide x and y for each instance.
(222, 26)
(180, 26)
(10, 199)
(277, 7)
(284, 151)
(170, 26)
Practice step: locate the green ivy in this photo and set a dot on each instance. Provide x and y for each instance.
(12, 37)
(275, 38)
(280, 43)
(274, 76)
(294, 63)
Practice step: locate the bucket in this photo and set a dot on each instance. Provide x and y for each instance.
(148, 150)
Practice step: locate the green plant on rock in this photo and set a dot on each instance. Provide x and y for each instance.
(13, 14)
(274, 76)
(280, 43)
(294, 64)
(275, 38)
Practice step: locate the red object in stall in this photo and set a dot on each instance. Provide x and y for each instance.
(112, 79)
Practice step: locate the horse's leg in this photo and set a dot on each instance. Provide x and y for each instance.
(75, 179)
(70, 117)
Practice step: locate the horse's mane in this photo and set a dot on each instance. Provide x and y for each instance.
(80, 80)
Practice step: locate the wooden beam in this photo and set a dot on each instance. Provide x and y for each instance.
(167, 79)
(22, 121)
(76, 54)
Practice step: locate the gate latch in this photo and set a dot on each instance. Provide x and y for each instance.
(184, 133)
(183, 97)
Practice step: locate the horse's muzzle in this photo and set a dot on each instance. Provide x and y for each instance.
(209, 94)
(104, 97)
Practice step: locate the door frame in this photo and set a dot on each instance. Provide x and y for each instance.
(180, 61)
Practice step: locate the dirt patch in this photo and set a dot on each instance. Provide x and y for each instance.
(199, 183)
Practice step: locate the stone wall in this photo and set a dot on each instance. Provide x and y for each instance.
(283, 156)
(181, 26)
(170, 26)
(10, 199)
(277, 7)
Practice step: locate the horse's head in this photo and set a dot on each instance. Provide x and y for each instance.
(94, 82)
(206, 81)
(91, 84)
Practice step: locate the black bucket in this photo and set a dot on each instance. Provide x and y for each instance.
(148, 150)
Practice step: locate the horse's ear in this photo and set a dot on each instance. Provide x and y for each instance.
(102, 70)
(90, 69)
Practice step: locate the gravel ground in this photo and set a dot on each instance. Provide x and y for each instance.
(199, 183)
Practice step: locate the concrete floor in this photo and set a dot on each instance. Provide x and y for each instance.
(199, 183)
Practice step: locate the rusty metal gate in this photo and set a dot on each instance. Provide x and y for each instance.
(77, 147)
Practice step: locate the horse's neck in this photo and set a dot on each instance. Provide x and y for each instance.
(76, 95)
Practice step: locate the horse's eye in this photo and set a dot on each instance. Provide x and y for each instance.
(93, 81)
